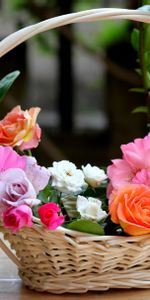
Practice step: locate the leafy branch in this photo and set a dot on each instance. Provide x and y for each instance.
(6, 83)
(140, 41)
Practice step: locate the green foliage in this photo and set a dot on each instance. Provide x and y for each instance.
(148, 79)
(137, 90)
(111, 32)
(135, 39)
(99, 193)
(86, 4)
(138, 71)
(147, 59)
(140, 41)
(49, 194)
(140, 109)
(24, 4)
(6, 83)
(86, 226)
(45, 44)
(44, 195)
(18, 4)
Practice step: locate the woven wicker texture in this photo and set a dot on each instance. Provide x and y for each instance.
(68, 261)
(65, 260)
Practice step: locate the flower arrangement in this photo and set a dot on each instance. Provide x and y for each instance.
(70, 224)
(111, 202)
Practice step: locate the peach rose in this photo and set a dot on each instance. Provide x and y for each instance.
(130, 207)
(19, 128)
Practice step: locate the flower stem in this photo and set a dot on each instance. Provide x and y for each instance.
(29, 152)
(142, 47)
(142, 60)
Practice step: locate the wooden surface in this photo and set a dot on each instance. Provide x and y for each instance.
(11, 288)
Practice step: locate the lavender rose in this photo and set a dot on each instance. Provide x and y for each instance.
(16, 189)
(39, 176)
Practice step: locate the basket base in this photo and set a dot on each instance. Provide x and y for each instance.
(103, 282)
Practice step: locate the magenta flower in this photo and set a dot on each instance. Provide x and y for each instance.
(16, 218)
(49, 215)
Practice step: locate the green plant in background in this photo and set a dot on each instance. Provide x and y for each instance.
(37, 11)
(108, 34)
(140, 40)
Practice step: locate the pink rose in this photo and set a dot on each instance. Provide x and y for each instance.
(137, 153)
(119, 173)
(134, 167)
(19, 128)
(16, 189)
(49, 215)
(142, 177)
(9, 158)
(16, 218)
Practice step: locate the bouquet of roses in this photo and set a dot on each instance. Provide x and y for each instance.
(86, 199)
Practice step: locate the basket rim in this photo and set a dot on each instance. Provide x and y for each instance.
(74, 238)
(89, 236)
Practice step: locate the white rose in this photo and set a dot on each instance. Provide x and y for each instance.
(66, 177)
(93, 175)
(90, 208)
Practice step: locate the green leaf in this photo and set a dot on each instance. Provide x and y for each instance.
(35, 211)
(147, 38)
(6, 83)
(140, 109)
(110, 34)
(85, 4)
(147, 58)
(44, 195)
(138, 90)
(86, 226)
(135, 39)
(18, 4)
(44, 45)
(138, 71)
(148, 78)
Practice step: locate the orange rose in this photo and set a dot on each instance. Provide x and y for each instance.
(130, 208)
(19, 128)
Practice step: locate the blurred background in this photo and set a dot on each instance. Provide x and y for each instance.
(80, 75)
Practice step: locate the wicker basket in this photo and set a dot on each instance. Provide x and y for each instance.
(65, 260)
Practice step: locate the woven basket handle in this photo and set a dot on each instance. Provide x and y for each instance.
(9, 253)
(92, 15)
